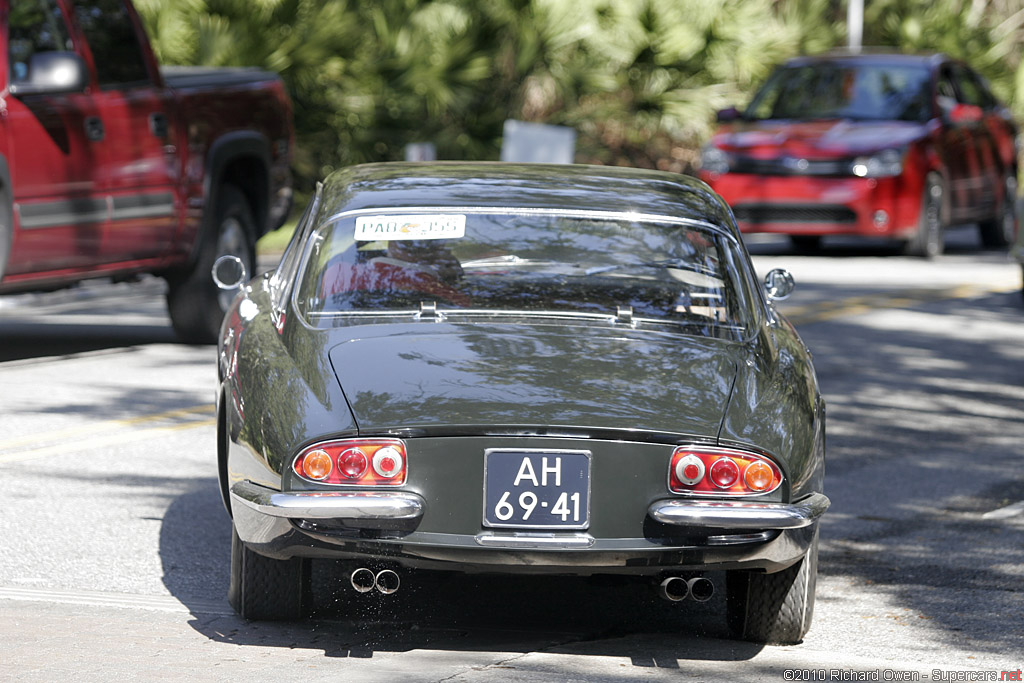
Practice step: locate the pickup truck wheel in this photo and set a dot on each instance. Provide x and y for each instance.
(5, 236)
(1001, 230)
(196, 305)
(5, 246)
(773, 608)
(929, 241)
(266, 589)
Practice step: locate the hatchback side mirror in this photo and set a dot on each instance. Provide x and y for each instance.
(52, 73)
(727, 115)
(778, 284)
(966, 113)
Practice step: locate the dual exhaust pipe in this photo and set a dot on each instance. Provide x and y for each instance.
(386, 581)
(676, 588)
(672, 589)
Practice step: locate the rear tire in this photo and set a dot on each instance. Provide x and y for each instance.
(773, 608)
(266, 589)
(929, 241)
(195, 303)
(1001, 230)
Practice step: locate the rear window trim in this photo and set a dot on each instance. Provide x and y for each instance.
(748, 288)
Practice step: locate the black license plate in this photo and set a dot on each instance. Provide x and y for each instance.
(537, 489)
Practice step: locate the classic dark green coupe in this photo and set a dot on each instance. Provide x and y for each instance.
(521, 369)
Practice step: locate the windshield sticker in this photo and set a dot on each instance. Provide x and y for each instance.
(410, 227)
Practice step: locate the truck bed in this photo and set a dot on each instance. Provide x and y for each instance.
(188, 77)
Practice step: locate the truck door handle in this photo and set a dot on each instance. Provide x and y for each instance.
(94, 129)
(158, 124)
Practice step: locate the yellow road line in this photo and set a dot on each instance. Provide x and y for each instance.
(857, 305)
(105, 426)
(104, 441)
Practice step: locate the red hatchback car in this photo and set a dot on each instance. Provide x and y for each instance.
(876, 145)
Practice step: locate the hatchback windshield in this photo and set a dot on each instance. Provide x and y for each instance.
(841, 90)
(644, 271)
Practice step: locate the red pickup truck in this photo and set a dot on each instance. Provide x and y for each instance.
(111, 166)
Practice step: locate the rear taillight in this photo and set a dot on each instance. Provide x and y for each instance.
(354, 462)
(317, 465)
(721, 471)
(724, 472)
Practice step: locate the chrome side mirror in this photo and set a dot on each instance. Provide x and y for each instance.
(229, 272)
(51, 73)
(778, 284)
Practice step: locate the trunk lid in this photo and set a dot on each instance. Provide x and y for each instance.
(535, 375)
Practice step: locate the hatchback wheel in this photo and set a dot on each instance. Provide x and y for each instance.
(929, 241)
(1001, 230)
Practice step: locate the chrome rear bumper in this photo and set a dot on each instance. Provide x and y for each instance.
(357, 506)
(739, 515)
(356, 525)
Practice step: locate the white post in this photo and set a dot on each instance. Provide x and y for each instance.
(855, 24)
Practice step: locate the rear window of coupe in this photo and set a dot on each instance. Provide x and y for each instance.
(467, 262)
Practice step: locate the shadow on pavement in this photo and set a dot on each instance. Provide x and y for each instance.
(962, 239)
(437, 610)
(912, 473)
(92, 316)
(26, 340)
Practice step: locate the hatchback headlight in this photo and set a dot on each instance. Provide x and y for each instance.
(714, 160)
(884, 164)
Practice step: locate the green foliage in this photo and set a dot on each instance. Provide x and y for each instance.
(638, 79)
(988, 34)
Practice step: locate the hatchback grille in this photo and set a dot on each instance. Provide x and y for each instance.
(791, 166)
(794, 213)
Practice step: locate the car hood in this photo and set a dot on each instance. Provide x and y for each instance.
(534, 375)
(828, 138)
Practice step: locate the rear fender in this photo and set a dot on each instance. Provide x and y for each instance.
(776, 406)
(282, 397)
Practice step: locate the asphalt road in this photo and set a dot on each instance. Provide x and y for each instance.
(114, 561)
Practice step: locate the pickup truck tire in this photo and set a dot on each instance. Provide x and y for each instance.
(196, 305)
(5, 227)
(773, 608)
(5, 246)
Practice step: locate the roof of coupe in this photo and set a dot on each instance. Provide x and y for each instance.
(495, 184)
(483, 238)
